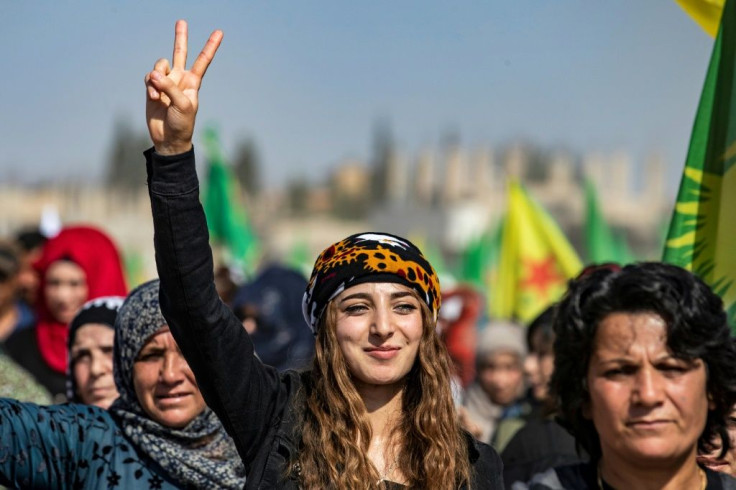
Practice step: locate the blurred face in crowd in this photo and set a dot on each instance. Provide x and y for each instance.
(378, 329)
(91, 355)
(249, 314)
(501, 377)
(28, 280)
(8, 290)
(538, 366)
(164, 382)
(727, 462)
(65, 290)
(646, 405)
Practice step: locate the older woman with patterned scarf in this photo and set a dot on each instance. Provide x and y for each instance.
(158, 434)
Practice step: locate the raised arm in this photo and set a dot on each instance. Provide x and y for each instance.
(244, 393)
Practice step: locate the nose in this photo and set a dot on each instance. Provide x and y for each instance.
(648, 388)
(172, 371)
(382, 322)
(531, 366)
(101, 364)
(62, 293)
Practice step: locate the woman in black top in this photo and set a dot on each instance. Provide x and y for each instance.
(645, 373)
(376, 410)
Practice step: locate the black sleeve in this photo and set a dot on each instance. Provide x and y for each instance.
(244, 393)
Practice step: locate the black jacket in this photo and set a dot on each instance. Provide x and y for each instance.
(541, 444)
(584, 476)
(254, 401)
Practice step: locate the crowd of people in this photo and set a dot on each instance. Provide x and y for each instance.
(367, 374)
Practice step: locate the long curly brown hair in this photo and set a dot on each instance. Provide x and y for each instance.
(335, 433)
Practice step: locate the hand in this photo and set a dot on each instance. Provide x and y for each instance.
(172, 94)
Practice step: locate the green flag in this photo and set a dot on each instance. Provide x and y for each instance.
(300, 258)
(602, 244)
(702, 233)
(434, 256)
(134, 269)
(480, 258)
(226, 219)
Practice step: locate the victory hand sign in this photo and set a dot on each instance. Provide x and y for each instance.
(172, 94)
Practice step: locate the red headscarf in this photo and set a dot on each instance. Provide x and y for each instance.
(459, 332)
(97, 256)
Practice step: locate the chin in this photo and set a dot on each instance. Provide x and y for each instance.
(379, 380)
(104, 403)
(657, 451)
(175, 422)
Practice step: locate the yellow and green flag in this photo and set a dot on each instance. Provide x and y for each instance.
(134, 269)
(707, 13)
(702, 233)
(226, 219)
(535, 261)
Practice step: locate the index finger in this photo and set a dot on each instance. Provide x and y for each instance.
(207, 54)
(180, 45)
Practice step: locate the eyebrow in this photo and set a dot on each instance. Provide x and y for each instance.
(396, 295)
(629, 360)
(151, 349)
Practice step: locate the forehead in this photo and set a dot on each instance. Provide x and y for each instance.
(160, 338)
(65, 269)
(627, 333)
(93, 333)
(502, 356)
(375, 288)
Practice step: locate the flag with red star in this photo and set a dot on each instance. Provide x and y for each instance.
(535, 262)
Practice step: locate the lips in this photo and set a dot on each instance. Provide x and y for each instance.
(171, 398)
(101, 390)
(648, 424)
(383, 352)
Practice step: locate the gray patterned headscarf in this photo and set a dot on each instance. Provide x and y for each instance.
(200, 455)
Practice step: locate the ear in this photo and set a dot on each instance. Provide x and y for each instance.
(711, 403)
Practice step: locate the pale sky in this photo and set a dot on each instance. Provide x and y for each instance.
(308, 80)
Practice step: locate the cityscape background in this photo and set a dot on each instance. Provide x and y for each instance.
(405, 117)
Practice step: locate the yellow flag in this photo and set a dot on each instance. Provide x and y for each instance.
(535, 262)
(707, 13)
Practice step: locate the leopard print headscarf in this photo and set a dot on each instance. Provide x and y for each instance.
(368, 257)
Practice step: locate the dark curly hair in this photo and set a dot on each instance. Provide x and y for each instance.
(696, 329)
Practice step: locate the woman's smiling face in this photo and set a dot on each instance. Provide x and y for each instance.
(378, 329)
(164, 382)
(65, 290)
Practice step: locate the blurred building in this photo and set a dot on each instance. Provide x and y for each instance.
(446, 197)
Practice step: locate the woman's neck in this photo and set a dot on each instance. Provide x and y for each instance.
(383, 413)
(619, 473)
(383, 404)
